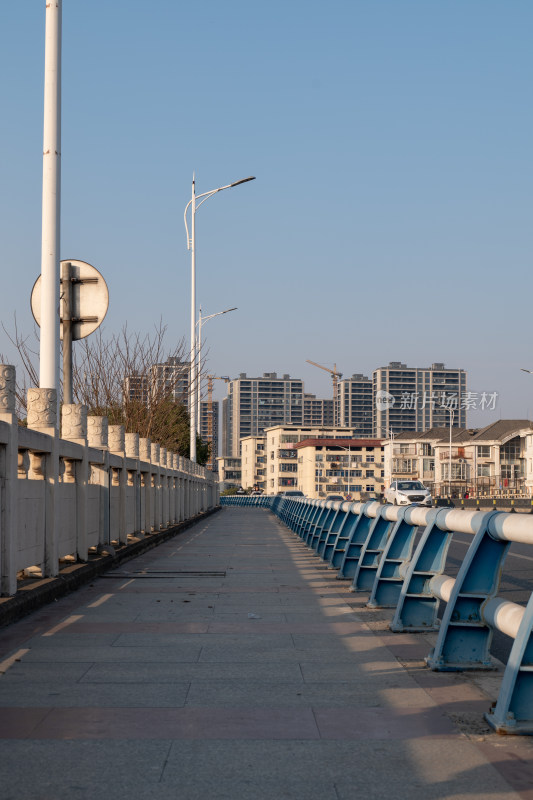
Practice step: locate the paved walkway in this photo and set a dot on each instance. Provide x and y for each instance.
(229, 664)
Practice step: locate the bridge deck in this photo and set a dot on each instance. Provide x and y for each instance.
(229, 663)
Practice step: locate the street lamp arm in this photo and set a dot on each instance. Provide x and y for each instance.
(210, 316)
(206, 196)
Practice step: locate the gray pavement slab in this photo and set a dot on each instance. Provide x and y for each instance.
(271, 681)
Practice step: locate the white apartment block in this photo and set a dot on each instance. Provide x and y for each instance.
(173, 374)
(318, 413)
(496, 460)
(418, 398)
(253, 463)
(352, 468)
(254, 404)
(354, 401)
(209, 430)
(229, 472)
(282, 456)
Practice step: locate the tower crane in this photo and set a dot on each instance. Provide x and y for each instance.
(335, 376)
(210, 379)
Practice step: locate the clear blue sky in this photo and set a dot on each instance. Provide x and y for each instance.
(391, 215)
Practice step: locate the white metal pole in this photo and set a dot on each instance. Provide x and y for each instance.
(199, 396)
(450, 457)
(192, 371)
(49, 344)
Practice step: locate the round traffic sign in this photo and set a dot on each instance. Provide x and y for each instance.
(89, 299)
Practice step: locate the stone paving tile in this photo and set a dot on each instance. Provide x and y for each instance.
(73, 639)
(297, 693)
(250, 770)
(248, 651)
(47, 672)
(256, 638)
(223, 618)
(104, 770)
(416, 769)
(148, 654)
(129, 695)
(82, 631)
(177, 673)
(316, 628)
(316, 671)
(156, 723)
(383, 723)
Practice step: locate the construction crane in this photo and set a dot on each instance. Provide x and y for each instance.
(210, 379)
(335, 376)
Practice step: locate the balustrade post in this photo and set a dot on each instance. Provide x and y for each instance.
(98, 437)
(74, 429)
(8, 483)
(42, 417)
(156, 479)
(132, 453)
(175, 490)
(117, 448)
(182, 498)
(145, 450)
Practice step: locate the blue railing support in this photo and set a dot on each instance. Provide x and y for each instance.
(373, 546)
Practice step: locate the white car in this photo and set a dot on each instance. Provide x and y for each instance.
(404, 493)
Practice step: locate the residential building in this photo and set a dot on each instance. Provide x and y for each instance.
(171, 377)
(317, 413)
(254, 404)
(353, 469)
(229, 472)
(496, 460)
(418, 398)
(209, 413)
(137, 387)
(354, 398)
(174, 375)
(281, 455)
(253, 463)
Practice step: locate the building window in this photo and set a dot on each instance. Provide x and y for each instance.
(483, 451)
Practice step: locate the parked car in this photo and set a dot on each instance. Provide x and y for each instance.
(405, 493)
(292, 493)
(335, 497)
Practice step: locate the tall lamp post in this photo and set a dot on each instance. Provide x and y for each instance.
(201, 321)
(49, 344)
(191, 245)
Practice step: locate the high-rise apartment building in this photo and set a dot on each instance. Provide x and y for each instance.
(169, 378)
(254, 404)
(418, 398)
(173, 374)
(209, 430)
(354, 404)
(317, 413)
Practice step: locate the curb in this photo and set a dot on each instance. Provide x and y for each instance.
(74, 576)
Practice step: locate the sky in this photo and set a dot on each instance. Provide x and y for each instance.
(390, 218)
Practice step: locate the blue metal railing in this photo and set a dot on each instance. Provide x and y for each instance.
(373, 546)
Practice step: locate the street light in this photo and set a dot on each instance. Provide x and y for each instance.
(191, 245)
(450, 454)
(201, 321)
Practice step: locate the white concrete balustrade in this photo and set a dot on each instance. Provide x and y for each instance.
(61, 496)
